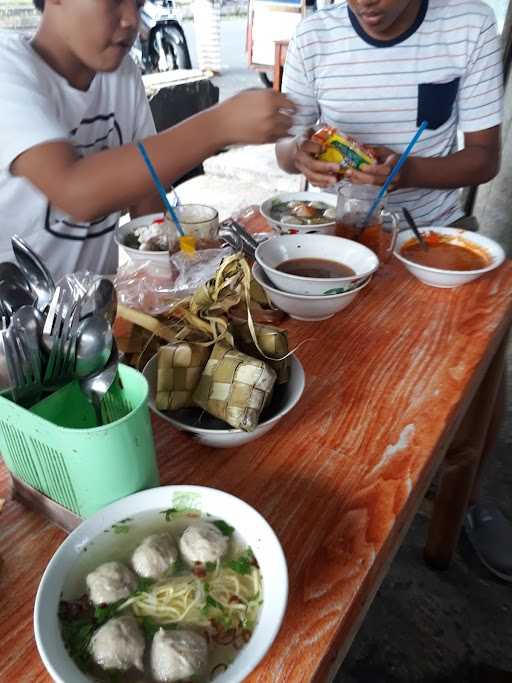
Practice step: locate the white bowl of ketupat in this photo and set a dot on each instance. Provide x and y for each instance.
(253, 556)
(212, 432)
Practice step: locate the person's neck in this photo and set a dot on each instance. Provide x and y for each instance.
(56, 54)
(402, 24)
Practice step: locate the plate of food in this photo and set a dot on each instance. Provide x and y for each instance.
(301, 212)
(169, 584)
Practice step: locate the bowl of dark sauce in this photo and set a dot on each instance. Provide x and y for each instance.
(314, 265)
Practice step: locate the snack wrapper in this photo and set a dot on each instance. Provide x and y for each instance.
(341, 149)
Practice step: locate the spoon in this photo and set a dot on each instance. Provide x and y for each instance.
(97, 385)
(14, 297)
(94, 346)
(12, 274)
(414, 228)
(35, 271)
(28, 323)
(101, 301)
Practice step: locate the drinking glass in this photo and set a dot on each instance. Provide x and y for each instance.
(379, 233)
(199, 221)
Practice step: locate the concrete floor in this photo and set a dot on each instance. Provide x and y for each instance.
(440, 627)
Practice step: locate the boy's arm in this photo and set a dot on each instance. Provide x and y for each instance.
(113, 179)
(477, 163)
(296, 154)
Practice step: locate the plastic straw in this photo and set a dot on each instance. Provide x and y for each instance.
(401, 161)
(160, 188)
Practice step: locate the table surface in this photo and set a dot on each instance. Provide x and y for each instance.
(388, 380)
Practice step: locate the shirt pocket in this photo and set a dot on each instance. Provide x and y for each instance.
(435, 102)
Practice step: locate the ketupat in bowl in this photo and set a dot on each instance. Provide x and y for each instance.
(213, 432)
(251, 526)
(438, 277)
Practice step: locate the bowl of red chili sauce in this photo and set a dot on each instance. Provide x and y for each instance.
(453, 256)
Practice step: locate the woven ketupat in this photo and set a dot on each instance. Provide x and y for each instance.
(271, 340)
(235, 387)
(180, 365)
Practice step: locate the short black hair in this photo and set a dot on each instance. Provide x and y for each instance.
(39, 4)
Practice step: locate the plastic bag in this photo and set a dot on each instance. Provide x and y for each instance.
(142, 287)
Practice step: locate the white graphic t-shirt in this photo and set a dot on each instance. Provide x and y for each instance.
(38, 106)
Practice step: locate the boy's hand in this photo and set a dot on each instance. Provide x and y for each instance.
(376, 174)
(256, 116)
(319, 173)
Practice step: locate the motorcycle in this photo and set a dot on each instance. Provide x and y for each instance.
(161, 44)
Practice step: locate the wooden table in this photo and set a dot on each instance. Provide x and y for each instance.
(389, 381)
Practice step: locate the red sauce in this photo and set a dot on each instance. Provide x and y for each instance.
(442, 253)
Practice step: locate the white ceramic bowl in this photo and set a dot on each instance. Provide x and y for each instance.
(213, 432)
(327, 228)
(251, 526)
(159, 260)
(436, 277)
(274, 251)
(303, 307)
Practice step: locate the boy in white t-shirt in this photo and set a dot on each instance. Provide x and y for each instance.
(375, 69)
(72, 105)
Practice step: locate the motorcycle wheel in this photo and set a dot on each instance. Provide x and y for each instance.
(181, 57)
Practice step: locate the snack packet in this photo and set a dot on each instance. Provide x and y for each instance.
(341, 149)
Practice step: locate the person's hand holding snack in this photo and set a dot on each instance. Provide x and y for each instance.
(317, 172)
(376, 174)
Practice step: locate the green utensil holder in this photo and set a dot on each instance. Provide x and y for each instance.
(56, 447)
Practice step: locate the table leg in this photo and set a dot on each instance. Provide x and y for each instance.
(462, 463)
(278, 67)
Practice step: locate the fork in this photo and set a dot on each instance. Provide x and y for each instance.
(51, 333)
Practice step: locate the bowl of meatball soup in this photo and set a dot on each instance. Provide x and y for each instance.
(175, 583)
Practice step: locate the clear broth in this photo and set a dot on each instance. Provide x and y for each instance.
(118, 544)
(315, 267)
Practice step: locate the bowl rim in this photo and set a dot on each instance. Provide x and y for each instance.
(497, 259)
(290, 195)
(115, 511)
(307, 297)
(140, 252)
(319, 280)
(223, 432)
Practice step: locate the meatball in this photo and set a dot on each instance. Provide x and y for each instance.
(177, 655)
(118, 644)
(110, 582)
(154, 556)
(203, 543)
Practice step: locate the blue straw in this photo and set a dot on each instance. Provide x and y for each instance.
(395, 170)
(160, 188)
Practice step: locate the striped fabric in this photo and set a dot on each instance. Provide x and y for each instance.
(446, 68)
